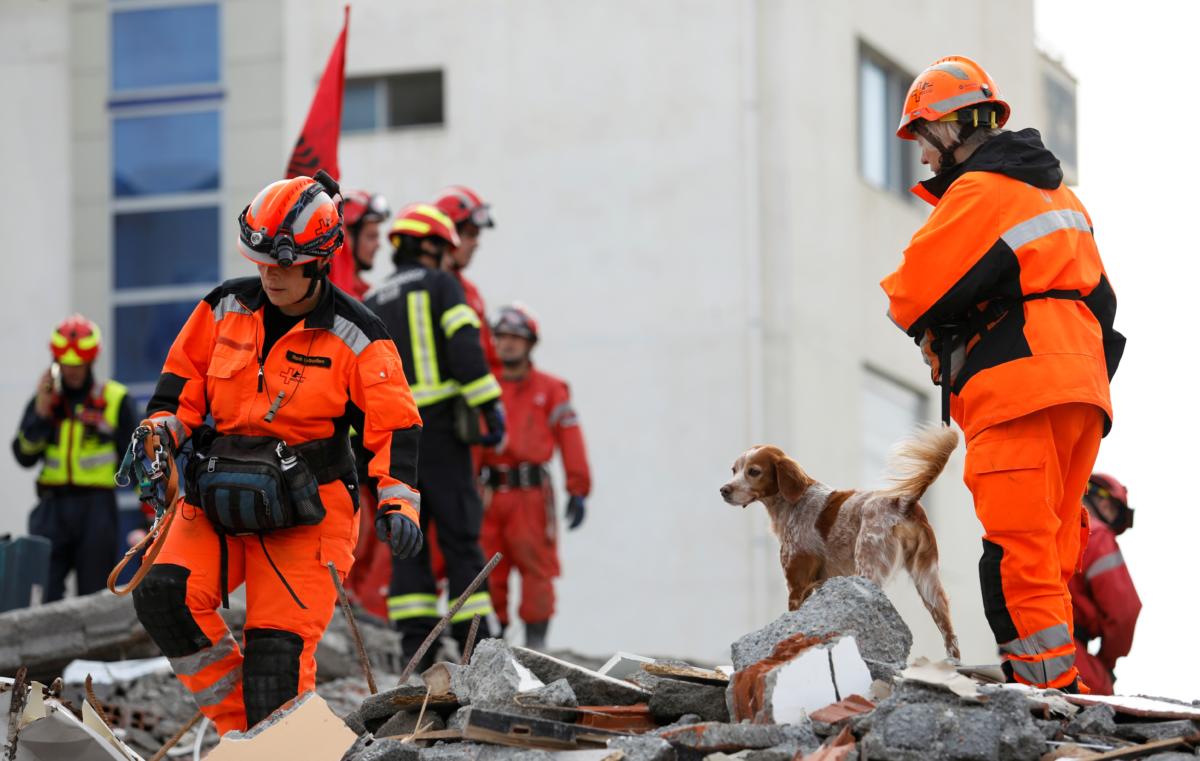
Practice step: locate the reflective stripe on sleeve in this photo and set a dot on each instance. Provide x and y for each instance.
(1106, 563)
(481, 391)
(228, 305)
(400, 491)
(1044, 224)
(457, 317)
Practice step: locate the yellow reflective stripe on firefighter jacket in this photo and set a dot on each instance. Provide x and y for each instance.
(84, 455)
(437, 336)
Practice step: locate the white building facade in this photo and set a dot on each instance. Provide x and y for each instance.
(698, 198)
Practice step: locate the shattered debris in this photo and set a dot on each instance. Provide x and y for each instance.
(828, 682)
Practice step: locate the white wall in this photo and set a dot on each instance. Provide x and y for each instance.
(36, 218)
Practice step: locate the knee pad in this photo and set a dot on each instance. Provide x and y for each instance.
(161, 605)
(270, 672)
(995, 607)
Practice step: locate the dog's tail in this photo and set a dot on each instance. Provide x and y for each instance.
(917, 461)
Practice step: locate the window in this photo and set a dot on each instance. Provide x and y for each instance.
(172, 153)
(886, 162)
(1059, 131)
(161, 47)
(411, 99)
(890, 412)
(165, 108)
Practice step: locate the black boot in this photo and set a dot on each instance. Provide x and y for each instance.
(535, 634)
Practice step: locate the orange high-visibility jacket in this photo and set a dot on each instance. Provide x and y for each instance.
(338, 358)
(1009, 251)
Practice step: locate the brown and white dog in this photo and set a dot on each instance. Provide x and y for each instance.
(824, 533)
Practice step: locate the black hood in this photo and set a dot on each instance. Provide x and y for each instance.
(1019, 155)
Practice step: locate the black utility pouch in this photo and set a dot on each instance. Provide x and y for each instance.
(466, 421)
(244, 487)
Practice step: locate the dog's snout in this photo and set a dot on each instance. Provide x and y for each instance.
(726, 490)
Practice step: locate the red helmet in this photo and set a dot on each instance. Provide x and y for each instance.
(292, 221)
(1106, 486)
(420, 220)
(516, 320)
(462, 204)
(361, 206)
(76, 341)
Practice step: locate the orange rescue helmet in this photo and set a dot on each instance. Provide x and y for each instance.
(421, 220)
(945, 92)
(294, 221)
(76, 341)
(516, 320)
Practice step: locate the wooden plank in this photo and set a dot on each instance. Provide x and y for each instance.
(686, 673)
(527, 732)
(1138, 751)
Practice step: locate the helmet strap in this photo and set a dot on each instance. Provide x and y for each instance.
(315, 271)
(946, 159)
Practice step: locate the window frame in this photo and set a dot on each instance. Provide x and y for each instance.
(381, 84)
(901, 156)
(870, 372)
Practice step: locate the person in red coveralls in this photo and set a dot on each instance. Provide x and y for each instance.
(470, 215)
(1106, 603)
(519, 517)
(364, 214)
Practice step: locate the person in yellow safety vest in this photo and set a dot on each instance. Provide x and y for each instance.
(77, 428)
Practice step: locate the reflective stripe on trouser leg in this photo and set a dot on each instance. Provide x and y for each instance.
(401, 607)
(478, 604)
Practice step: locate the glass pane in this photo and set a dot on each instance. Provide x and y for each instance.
(177, 153)
(1060, 124)
(166, 248)
(890, 412)
(165, 46)
(415, 98)
(144, 333)
(359, 105)
(873, 123)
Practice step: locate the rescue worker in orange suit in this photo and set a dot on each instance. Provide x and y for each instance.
(519, 518)
(437, 335)
(278, 361)
(470, 215)
(1004, 291)
(363, 214)
(76, 428)
(1106, 602)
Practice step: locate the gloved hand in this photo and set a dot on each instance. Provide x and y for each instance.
(931, 347)
(494, 417)
(398, 530)
(575, 512)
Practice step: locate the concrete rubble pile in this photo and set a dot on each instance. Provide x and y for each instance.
(832, 681)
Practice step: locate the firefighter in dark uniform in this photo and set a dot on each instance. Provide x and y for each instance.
(77, 428)
(437, 335)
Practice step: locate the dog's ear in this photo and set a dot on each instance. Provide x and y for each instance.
(791, 479)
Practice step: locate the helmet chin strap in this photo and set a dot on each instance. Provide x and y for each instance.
(316, 272)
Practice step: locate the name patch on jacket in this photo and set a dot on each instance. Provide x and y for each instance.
(309, 360)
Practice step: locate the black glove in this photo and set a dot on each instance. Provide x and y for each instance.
(399, 531)
(494, 417)
(575, 512)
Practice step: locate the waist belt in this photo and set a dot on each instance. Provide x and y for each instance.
(525, 475)
(329, 459)
(978, 322)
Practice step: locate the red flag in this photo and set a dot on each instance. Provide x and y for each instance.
(318, 143)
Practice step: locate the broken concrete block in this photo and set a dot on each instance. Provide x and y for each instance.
(699, 740)
(800, 739)
(1172, 756)
(1157, 730)
(557, 694)
(591, 688)
(389, 749)
(493, 677)
(802, 674)
(919, 722)
(671, 699)
(1094, 720)
(843, 605)
(643, 748)
(378, 708)
(439, 677)
(405, 723)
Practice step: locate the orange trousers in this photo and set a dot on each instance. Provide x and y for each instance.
(1028, 477)
(238, 684)
(520, 523)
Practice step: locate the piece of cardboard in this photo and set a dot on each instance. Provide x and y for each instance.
(308, 730)
(941, 674)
